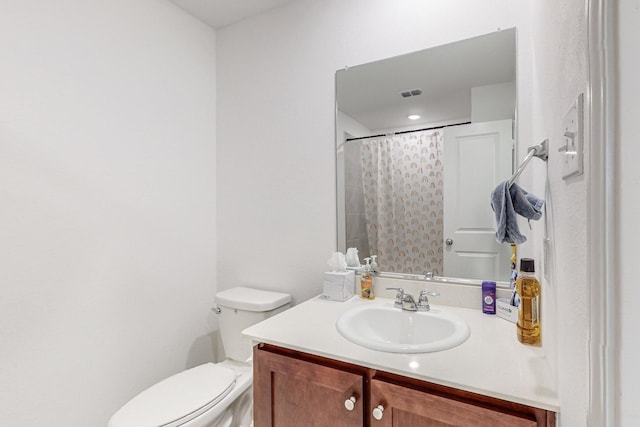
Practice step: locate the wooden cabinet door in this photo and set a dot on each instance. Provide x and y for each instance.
(291, 392)
(409, 406)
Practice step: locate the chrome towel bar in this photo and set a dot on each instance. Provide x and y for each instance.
(540, 151)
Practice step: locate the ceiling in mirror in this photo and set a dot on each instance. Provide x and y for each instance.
(415, 192)
(371, 93)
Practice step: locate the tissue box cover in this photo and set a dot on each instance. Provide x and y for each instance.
(338, 286)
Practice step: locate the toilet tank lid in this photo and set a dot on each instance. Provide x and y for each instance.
(177, 399)
(250, 299)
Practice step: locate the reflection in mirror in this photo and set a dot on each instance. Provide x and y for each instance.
(422, 139)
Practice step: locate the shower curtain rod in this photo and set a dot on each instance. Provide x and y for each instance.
(406, 131)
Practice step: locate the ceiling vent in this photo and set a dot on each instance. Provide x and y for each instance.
(413, 92)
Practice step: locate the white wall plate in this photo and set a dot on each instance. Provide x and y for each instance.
(573, 138)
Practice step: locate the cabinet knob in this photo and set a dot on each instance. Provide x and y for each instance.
(377, 412)
(350, 403)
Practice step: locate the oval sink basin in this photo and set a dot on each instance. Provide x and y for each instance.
(386, 328)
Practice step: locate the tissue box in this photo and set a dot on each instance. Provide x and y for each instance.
(338, 286)
(505, 310)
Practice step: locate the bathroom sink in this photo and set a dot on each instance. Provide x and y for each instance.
(382, 327)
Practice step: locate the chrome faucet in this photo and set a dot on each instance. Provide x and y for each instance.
(408, 303)
(399, 296)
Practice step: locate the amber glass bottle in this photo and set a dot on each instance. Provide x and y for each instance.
(528, 288)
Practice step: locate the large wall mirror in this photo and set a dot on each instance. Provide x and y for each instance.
(421, 141)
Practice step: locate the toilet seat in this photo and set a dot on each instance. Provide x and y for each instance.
(177, 399)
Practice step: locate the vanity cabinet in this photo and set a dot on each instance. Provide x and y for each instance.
(410, 403)
(297, 389)
(291, 390)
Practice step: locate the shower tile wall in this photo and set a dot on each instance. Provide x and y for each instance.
(354, 203)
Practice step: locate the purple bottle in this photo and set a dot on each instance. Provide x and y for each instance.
(489, 297)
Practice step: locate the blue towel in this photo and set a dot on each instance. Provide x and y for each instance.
(506, 203)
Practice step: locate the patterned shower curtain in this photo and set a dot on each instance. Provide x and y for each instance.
(402, 178)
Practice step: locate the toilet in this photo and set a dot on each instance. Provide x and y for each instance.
(213, 394)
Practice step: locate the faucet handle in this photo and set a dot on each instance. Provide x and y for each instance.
(423, 300)
(399, 296)
(424, 293)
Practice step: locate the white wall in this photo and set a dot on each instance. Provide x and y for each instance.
(276, 193)
(628, 110)
(493, 102)
(346, 127)
(560, 67)
(107, 190)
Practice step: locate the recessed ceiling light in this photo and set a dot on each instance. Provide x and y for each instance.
(413, 117)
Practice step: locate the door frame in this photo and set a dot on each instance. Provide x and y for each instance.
(601, 212)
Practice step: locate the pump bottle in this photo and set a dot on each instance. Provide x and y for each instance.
(366, 281)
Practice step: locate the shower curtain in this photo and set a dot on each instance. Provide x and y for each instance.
(402, 180)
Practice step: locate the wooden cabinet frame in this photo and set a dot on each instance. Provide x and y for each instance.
(293, 388)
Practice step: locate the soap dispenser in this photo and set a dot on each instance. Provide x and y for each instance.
(374, 264)
(366, 281)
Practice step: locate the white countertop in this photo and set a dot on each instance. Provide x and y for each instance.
(490, 362)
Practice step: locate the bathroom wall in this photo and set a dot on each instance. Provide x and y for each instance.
(107, 187)
(350, 193)
(628, 134)
(356, 219)
(559, 64)
(493, 102)
(276, 198)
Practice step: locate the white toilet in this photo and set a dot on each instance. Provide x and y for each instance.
(213, 394)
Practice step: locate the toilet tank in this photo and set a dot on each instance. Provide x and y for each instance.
(240, 308)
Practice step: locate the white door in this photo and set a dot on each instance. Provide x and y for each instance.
(477, 157)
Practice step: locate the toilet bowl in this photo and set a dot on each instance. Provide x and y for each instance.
(212, 394)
